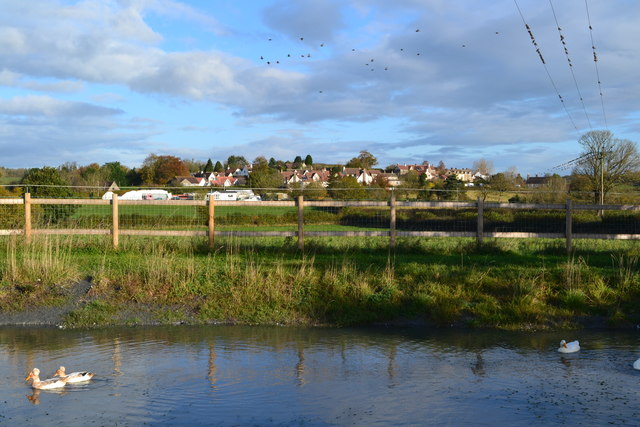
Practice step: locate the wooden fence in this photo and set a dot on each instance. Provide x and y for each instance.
(392, 232)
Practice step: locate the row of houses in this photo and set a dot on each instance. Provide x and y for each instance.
(237, 177)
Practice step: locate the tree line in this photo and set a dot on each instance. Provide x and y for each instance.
(605, 163)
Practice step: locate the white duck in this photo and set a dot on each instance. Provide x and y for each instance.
(46, 384)
(569, 347)
(636, 364)
(74, 377)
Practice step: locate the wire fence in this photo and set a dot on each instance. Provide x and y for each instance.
(398, 215)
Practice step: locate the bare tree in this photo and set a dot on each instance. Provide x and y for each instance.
(606, 161)
(484, 166)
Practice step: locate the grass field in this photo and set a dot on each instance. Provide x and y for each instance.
(510, 284)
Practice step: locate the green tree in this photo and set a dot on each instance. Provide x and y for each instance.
(365, 160)
(218, 167)
(115, 172)
(236, 162)
(454, 188)
(193, 166)
(311, 191)
(263, 177)
(410, 181)
(46, 182)
(308, 160)
(501, 182)
(606, 161)
(346, 188)
(209, 166)
(134, 177)
(91, 175)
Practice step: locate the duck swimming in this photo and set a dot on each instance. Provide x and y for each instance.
(569, 347)
(636, 364)
(74, 377)
(46, 384)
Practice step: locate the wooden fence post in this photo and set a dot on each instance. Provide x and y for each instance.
(569, 226)
(115, 221)
(392, 220)
(300, 202)
(27, 217)
(211, 221)
(480, 231)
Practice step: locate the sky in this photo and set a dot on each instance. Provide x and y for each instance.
(407, 80)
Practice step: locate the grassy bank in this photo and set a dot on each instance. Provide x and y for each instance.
(511, 284)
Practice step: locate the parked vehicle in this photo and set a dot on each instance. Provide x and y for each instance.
(140, 195)
(234, 195)
(187, 196)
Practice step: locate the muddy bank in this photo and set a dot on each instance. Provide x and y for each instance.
(78, 297)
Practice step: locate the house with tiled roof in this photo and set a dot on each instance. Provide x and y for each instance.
(188, 181)
(224, 181)
(291, 177)
(536, 181)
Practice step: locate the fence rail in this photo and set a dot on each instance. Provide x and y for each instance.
(302, 218)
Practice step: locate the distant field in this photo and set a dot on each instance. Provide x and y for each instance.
(9, 180)
(181, 210)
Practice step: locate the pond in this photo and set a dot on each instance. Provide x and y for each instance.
(237, 375)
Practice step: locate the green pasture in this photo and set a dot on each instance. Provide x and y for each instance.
(181, 210)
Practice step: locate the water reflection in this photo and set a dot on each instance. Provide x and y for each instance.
(34, 397)
(300, 368)
(212, 365)
(117, 358)
(286, 376)
(478, 367)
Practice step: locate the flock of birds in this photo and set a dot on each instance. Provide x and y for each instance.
(59, 379)
(370, 63)
(573, 346)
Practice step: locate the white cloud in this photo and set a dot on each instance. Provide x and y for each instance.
(469, 78)
(38, 105)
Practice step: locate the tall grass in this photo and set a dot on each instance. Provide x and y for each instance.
(511, 284)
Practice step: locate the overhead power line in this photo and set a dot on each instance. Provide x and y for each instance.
(544, 64)
(566, 52)
(595, 61)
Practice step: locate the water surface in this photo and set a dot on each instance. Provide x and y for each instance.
(230, 375)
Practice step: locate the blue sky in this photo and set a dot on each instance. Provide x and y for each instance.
(408, 80)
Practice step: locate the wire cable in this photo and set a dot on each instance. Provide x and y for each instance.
(595, 61)
(533, 40)
(566, 52)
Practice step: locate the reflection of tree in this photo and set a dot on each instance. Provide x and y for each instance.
(300, 367)
(391, 367)
(478, 367)
(117, 358)
(212, 365)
